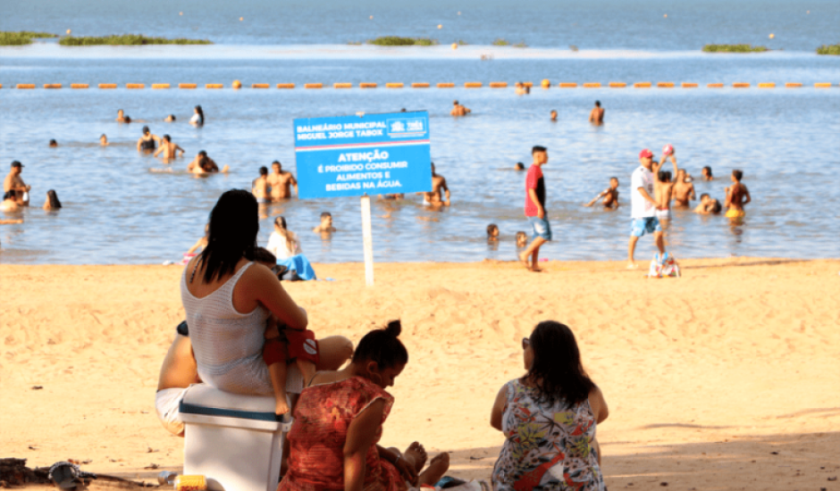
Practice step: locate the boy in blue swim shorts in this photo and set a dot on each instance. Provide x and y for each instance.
(643, 207)
(535, 209)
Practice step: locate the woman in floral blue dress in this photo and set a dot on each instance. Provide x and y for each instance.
(549, 418)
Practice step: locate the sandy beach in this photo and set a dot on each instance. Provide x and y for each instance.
(728, 378)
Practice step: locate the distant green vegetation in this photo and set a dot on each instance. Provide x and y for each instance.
(831, 49)
(125, 40)
(461, 42)
(401, 41)
(520, 45)
(500, 42)
(21, 38)
(733, 48)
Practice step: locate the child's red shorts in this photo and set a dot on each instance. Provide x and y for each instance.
(299, 345)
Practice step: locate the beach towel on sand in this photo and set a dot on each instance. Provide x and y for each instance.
(299, 264)
(663, 267)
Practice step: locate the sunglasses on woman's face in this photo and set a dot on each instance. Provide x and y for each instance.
(525, 343)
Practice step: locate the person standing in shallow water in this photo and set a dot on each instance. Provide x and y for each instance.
(643, 207)
(535, 209)
(596, 116)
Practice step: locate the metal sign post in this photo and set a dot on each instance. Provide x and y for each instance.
(367, 238)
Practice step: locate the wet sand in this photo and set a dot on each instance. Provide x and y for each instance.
(727, 378)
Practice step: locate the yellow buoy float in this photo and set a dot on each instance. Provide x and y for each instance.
(545, 83)
(236, 84)
(440, 26)
(771, 36)
(454, 45)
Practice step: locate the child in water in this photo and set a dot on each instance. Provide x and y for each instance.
(521, 240)
(492, 233)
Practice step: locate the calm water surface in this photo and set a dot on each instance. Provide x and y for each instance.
(118, 210)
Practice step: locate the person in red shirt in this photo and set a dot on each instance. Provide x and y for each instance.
(535, 209)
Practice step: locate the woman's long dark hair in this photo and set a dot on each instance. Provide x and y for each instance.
(232, 233)
(53, 197)
(382, 346)
(557, 365)
(200, 114)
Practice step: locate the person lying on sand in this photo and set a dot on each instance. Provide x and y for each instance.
(610, 196)
(168, 149)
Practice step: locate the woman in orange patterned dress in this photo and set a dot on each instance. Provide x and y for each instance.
(338, 423)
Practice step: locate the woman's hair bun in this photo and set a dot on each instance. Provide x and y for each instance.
(394, 328)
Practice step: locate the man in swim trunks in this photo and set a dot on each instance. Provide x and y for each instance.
(535, 208)
(148, 141)
(610, 196)
(596, 116)
(663, 190)
(281, 182)
(683, 190)
(737, 196)
(643, 207)
(459, 110)
(259, 187)
(170, 150)
(13, 181)
(326, 225)
(439, 196)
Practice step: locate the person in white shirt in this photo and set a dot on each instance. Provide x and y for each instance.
(283, 243)
(643, 207)
(198, 118)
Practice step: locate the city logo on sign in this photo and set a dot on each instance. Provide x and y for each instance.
(401, 128)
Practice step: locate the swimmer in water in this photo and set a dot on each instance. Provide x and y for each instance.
(439, 196)
(521, 240)
(202, 164)
(708, 205)
(53, 144)
(52, 203)
(103, 140)
(281, 182)
(737, 196)
(198, 117)
(127, 120)
(553, 116)
(148, 142)
(168, 149)
(683, 190)
(326, 226)
(492, 233)
(596, 116)
(10, 202)
(707, 174)
(610, 196)
(663, 190)
(13, 182)
(169, 119)
(520, 89)
(259, 188)
(519, 166)
(459, 110)
(121, 116)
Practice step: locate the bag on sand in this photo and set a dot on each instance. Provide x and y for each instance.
(663, 267)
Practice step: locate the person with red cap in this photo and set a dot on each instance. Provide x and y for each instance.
(643, 207)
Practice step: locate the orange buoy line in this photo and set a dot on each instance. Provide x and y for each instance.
(107, 86)
(689, 85)
(446, 85)
(79, 86)
(767, 85)
(643, 85)
(160, 86)
(617, 85)
(793, 85)
(665, 85)
(135, 86)
(567, 85)
(528, 84)
(394, 85)
(25, 86)
(214, 86)
(260, 86)
(741, 85)
(420, 85)
(285, 86)
(52, 86)
(313, 86)
(342, 85)
(498, 85)
(187, 86)
(822, 85)
(367, 85)
(714, 86)
(592, 85)
(472, 85)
